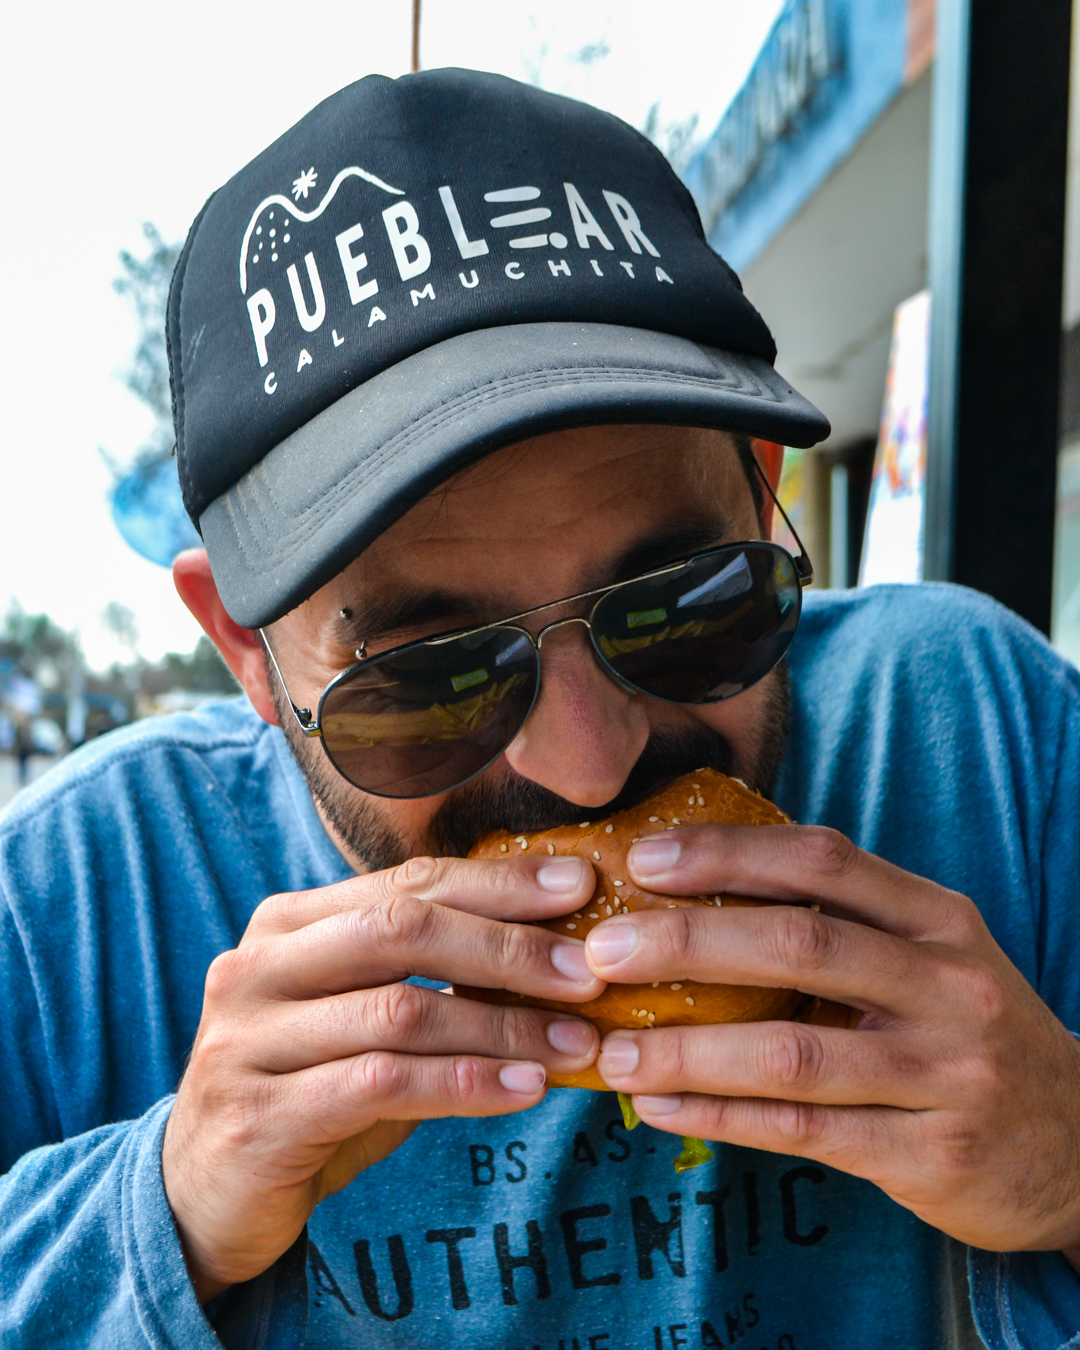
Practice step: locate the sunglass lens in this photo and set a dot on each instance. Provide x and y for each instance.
(429, 717)
(705, 632)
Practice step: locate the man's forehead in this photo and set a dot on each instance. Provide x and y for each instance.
(571, 483)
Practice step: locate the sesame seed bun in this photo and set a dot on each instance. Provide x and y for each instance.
(700, 798)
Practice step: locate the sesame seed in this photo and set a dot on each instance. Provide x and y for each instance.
(619, 883)
(675, 820)
(502, 847)
(649, 1026)
(701, 801)
(596, 854)
(593, 914)
(691, 1002)
(571, 926)
(656, 984)
(673, 906)
(607, 909)
(690, 801)
(717, 900)
(519, 839)
(654, 817)
(695, 785)
(524, 844)
(637, 840)
(652, 1018)
(816, 908)
(676, 986)
(740, 782)
(608, 829)
(584, 825)
(633, 1012)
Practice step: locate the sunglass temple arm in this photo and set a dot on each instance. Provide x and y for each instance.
(304, 719)
(803, 566)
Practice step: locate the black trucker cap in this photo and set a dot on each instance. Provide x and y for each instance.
(420, 272)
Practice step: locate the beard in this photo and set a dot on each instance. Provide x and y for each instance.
(516, 804)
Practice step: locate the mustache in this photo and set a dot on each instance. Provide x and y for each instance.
(517, 804)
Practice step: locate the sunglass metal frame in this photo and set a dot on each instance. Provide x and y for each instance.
(312, 727)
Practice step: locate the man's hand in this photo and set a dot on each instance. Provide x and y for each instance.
(312, 1061)
(959, 1093)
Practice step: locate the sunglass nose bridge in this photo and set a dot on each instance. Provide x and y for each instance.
(559, 623)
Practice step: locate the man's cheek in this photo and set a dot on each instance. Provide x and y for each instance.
(755, 725)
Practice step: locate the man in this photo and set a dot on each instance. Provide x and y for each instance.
(453, 365)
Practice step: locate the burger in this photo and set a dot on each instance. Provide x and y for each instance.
(704, 797)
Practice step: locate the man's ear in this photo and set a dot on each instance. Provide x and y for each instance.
(240, 648)
(770, 456)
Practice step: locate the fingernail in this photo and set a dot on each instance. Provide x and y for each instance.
(612, 942)
(656, 1106)
(653, 856)
(563, 876)
(571, 1038)
(569, 960)
(527, 1079)
(618, 1057)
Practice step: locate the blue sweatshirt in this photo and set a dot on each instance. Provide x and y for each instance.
(930, 725)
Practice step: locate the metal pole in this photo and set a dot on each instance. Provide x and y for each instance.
(996, 246)
(415, 35)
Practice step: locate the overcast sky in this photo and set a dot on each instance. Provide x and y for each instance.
(120, 112)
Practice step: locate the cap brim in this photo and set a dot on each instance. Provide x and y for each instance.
(325, 493)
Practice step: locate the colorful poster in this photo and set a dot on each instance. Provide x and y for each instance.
(893, 546)
(792, 494)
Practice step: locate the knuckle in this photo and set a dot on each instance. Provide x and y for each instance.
(228, 971)
(800, 1125)
(681, 932)
(981, 990)
(216, 1052)
(680, 1063)
(803, 938)
(415, 876)
(960, 1152)
(827, 851)
(503, 879)
(963, 924)
(395, 1012)
(792, 1058)
(518, 945)
(975, 1076)
(398, 920)
(518, 1032)
(469, 1077)
(270, 914)
(378, 1074)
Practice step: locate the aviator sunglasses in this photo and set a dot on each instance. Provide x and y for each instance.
(425, 717)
